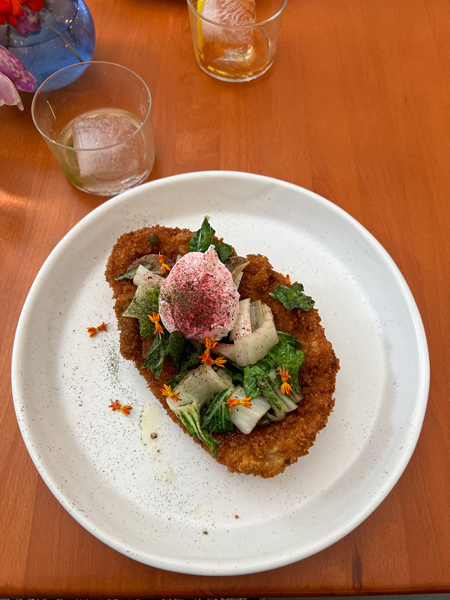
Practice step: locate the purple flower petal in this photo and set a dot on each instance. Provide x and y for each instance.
(13, 68)
(29, 22)
(8, 92)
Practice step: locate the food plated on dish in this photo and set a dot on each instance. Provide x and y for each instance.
(233, 350)
(93, 459)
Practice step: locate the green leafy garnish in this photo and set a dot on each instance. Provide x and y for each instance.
(203, 238)
(288, 358)
(286, 355)
(144, 303)
(224, 251)
(236, 373)
(190, 359)
(288, 339)
(169, 344)
(189, 415)
(292, 297)
(267, 386)
(252, 375)
(216, 418)
(175, 347)
(70, 167)
(156, 355)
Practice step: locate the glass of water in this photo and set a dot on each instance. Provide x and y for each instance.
(235, 40)
(96, 119)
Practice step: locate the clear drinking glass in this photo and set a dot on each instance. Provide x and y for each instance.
(96, 119)
(235, 40)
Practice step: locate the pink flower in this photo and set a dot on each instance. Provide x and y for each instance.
(8, 92)
(28, 22)
(13, 76)
(11, 10)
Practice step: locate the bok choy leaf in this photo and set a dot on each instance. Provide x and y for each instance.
(144, 303)
(289, 358)
(216, 418)
(252, 373)
(189, 415)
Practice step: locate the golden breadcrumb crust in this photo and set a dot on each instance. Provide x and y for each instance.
(266, 451)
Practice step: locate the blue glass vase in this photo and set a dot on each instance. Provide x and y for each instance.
(66, 37)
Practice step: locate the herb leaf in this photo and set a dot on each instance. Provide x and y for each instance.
(292, 297)
(203, 238)
(224, 251)
(175, 347)
(156, 355)
(189, 360)
(216, 418)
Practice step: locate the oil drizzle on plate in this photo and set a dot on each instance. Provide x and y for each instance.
(151, 436)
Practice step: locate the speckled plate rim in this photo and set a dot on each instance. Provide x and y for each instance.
(253, 564)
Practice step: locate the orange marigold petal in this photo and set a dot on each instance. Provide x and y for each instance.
(286, 388)
(220, 361)
(210, 343)
(232, 402)
(93, 330)
(206, 358)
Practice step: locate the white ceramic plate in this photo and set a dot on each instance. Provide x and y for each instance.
(177, 509)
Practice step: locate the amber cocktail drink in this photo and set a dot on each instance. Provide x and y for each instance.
(235, 40)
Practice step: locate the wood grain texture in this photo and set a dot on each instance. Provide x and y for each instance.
(355, 108)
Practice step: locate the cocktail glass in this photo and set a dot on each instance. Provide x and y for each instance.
(235, 40)
(96, 119)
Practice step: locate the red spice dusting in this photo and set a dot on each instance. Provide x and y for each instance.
(199, 298)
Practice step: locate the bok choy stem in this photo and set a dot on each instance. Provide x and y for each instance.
(189, 415)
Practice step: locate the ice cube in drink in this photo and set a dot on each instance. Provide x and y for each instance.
(230, 12)
(107, 148)
(229, 44)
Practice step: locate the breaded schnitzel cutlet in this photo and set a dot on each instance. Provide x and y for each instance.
(268, 450)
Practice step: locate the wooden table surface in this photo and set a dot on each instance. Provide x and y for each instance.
(355, 108)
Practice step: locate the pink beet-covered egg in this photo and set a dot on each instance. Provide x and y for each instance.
(199, 298)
